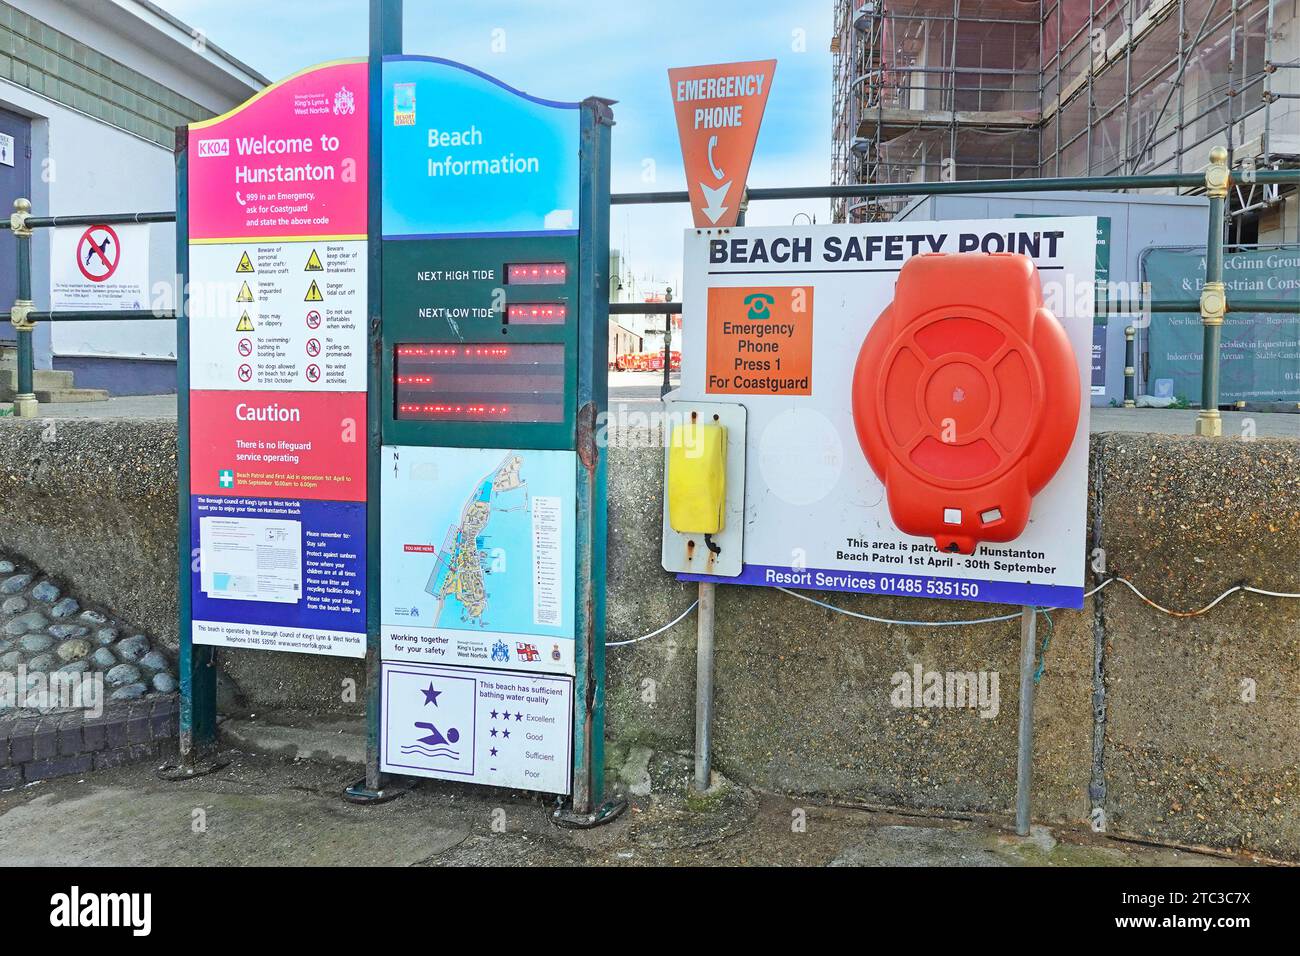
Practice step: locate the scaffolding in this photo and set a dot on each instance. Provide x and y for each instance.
(928, 90)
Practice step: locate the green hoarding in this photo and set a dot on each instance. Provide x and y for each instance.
(1260, 357)
(1101, 276)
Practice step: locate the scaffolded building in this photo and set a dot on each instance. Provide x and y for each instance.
(930, 90)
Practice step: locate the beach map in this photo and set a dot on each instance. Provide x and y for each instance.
(469, 552)
(478, 546)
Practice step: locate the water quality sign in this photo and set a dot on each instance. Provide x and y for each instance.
(277, 367)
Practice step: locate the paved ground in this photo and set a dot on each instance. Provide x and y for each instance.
(638, 392)
(279, 811)
(1182, 421)
(636, 387)
(127, 406)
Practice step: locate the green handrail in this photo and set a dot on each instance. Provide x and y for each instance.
(1212, 305)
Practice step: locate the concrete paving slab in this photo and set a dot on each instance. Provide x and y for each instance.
(123, 406)
(143, 823)
(965, 844)
(300, 737)
(1182, 421)
(263, 810)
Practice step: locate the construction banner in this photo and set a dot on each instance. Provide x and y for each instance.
(1258, 358)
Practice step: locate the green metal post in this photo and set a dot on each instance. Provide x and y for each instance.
(1130, 368)
(966, 186)
(385, 40)
(589, 804)
(668, 351)
(1213, 296)
(198, 676)
(20, 316)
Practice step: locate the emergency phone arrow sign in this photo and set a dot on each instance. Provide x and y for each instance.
(719, 111)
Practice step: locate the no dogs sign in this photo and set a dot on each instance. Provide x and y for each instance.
(100, 268)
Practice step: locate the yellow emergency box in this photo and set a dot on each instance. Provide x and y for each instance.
(697, 477)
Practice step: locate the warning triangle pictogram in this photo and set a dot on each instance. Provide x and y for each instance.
(245, 264)
(245, 294)
(313, 294)
(313, 263)
(719, 109)
(245, 323)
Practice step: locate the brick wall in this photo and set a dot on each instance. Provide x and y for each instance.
(58, 745)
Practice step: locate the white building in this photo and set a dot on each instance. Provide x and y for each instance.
(91, 92)
(627, 286)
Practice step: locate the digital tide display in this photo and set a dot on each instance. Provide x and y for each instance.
(504, 383)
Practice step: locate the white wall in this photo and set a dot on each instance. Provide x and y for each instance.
(81, 165)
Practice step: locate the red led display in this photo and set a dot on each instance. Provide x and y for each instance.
(447, 410)
(508, 383)
(536, 273)
(465, 352)
(539, 313)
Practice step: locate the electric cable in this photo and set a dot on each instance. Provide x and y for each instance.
(992, 619)
(645, 637)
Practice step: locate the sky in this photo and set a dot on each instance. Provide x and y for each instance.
(571, 49)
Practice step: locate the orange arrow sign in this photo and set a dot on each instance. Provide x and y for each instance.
(719, 110)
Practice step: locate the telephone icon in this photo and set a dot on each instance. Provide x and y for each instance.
(759, 305)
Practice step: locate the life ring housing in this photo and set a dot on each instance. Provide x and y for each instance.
(965, 397)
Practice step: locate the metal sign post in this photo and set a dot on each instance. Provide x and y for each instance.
(198, 678)
(1025, 730)
(385, 39)
(488, 553)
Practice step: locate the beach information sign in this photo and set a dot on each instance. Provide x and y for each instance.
(485, 501)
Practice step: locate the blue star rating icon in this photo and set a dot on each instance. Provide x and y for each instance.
(431, 695)
(226, 478)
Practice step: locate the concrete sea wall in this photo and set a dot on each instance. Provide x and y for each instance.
(1171, 728)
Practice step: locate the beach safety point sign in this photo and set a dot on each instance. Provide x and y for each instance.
(775, 318)
(719, 110)
(278, 373)
(99, 268)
